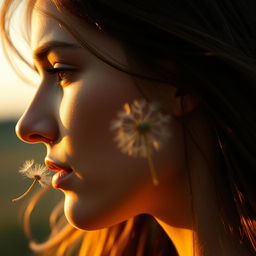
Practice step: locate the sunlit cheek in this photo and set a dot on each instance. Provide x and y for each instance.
(68, 106)
(68, 112)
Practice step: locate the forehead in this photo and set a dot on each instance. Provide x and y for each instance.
(45, 28)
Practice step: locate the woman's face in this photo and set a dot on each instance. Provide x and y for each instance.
(71, 114)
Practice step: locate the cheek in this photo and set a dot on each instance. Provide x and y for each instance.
(86, 113)
(110, 179)
(94, 100)
(113, 185)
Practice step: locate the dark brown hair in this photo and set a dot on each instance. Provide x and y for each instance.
(213, 46)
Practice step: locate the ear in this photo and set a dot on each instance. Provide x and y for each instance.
(184, 104)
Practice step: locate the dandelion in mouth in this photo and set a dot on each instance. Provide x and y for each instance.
(140, 129)
(39, 173)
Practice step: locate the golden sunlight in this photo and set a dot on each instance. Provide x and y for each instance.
(15, 94)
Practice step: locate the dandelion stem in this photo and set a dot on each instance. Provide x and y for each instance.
(150, 161)
(24, 194)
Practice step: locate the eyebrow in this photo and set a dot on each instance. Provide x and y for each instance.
(43, 50)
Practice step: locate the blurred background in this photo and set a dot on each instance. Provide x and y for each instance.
(15, 96)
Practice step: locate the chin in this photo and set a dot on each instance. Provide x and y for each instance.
(84, 217)
(76, 213)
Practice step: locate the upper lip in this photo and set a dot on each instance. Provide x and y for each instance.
(57, 166)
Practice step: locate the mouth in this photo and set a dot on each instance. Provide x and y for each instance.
(62, 178)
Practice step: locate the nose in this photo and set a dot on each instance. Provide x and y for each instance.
(38, 124)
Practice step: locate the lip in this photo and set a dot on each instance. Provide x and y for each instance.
(61, 179)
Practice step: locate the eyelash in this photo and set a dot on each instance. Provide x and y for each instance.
(57, 72)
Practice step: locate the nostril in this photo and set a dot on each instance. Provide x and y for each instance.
(34, 137)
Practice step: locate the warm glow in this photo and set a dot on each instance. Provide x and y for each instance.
(15, 94)
(182, 238)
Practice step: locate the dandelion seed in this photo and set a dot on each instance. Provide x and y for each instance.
(141, 129)
(39, 173)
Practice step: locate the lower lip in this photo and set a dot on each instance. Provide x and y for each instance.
(61, 179)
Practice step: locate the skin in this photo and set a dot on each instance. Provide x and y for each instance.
(72, 119)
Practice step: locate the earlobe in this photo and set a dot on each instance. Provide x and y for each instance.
(184, 104)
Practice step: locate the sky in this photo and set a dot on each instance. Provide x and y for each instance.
(15, 95)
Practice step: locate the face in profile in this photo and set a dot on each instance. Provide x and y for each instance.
(78, 97)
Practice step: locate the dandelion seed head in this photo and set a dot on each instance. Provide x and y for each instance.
(143, 127)
(36, 171)
(136, 121)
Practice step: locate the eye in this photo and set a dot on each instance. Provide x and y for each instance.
(63, 73)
